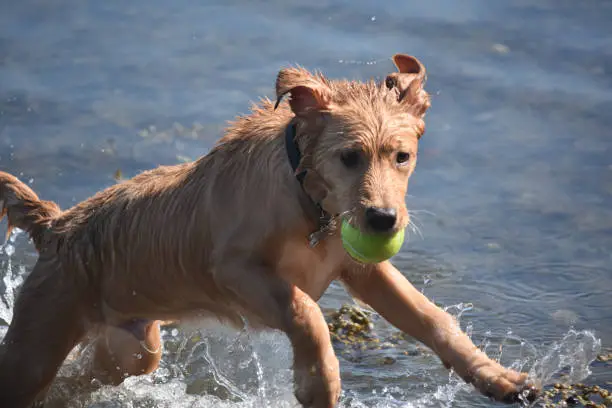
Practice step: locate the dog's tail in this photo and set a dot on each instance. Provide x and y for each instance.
(24, 209)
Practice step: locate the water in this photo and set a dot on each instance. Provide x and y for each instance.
(513, 191)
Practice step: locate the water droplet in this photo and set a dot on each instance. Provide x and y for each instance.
(500, 48)
(373, 18)
(174, 332)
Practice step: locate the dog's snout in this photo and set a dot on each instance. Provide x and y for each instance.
(381, 219)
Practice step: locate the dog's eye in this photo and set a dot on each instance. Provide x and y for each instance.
(390, 82)
(350, 158)
(402, 158)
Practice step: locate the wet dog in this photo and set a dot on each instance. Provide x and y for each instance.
(247, 231)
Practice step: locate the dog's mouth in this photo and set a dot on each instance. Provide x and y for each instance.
(358, 220)
(367, 247)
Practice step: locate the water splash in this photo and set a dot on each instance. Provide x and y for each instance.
(567, 361)
(218, 375)
(261, 384)
(11, 280)
(261, 389)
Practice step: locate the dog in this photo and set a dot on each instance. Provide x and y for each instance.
(247, 231)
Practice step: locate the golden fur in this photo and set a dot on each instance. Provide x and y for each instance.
(227, 235)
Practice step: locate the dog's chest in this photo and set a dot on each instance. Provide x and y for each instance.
(311, 269)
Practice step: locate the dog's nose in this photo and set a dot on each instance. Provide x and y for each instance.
(381, 219)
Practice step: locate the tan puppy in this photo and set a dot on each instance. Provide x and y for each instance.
(231, 235)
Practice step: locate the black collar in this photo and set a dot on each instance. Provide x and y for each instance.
(294, 155)
(293, 152)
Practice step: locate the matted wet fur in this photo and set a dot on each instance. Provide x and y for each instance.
(228, 235)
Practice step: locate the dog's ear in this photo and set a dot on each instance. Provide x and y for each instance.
(407, 64)
(409, 81)
(410, 70)
(410, 76)
(308, 92)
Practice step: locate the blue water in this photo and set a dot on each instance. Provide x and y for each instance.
(513, 190)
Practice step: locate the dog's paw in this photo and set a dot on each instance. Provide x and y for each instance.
(500, 383)
(319, 385)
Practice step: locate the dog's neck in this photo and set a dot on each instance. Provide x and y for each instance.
(326, 221)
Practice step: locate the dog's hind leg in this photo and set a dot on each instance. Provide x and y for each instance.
(130, 349)
(48, 321)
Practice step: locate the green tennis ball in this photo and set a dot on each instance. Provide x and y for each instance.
(369, 248)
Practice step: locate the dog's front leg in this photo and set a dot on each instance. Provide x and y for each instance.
(384, 288)
(285, 307)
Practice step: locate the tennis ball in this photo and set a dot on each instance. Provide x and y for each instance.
(369, 248)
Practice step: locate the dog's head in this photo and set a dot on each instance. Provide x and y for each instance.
(359, 140)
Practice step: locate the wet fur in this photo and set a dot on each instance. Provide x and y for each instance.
(227, 236)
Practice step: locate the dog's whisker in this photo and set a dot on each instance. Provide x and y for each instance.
(412, 227)
(415, 229)
(422, 211)
(415, 220)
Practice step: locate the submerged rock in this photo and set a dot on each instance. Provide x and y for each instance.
(351, 329)
(577, 395)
